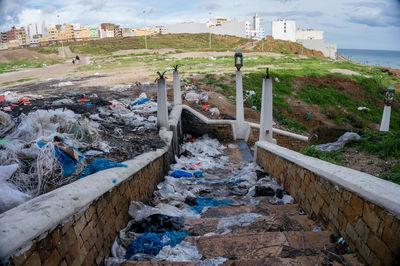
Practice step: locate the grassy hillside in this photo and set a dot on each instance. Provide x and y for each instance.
(178, 41)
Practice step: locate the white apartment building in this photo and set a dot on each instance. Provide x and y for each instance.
(283, 29)
(233, 27)
(307, 34)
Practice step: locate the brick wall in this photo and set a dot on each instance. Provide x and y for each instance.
(282, 140)
(87, 237)
(193, 125)
(370, 230)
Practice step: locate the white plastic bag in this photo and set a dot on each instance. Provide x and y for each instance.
(184, 251)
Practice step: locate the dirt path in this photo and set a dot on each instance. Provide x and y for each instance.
(53, 71)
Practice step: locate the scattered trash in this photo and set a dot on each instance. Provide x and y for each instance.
(180, 174)
(100, 165)
(340, 143)
(203, 97)
(264, 191)
(63, 84)
(214, 111)
(203, 202)
(157, 223)
(248, 94)
(142, 101)
(317, 229)
(184, 251)
(286, 199)
(308, 116)
(152, 243)
(93, 153)
(120, 88)
(192, 97)
(227, 224)
(363, 108)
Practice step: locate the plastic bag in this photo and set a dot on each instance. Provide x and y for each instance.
(180, 174)
(185, 251)
(11, 197)
(192, 97)
(203, 202)
(152, 243)
(215, 111)
(340, 143)
(226, 224)
(100, 165)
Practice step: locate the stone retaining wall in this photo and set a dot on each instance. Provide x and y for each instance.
(87, 237)
(363, 209)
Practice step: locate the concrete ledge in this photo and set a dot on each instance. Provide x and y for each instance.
(381, 192)
(31, 219)
(282, 132)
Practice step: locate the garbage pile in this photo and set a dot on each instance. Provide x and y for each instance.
(193, 97)
(204, 176)
(49, 142)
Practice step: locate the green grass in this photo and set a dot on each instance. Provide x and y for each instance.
(335, 157)
(383, 144)
(393, 176)
(25, 63)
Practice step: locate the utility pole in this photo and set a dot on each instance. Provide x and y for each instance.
(210, 30)
(145, 30)
(62, 45)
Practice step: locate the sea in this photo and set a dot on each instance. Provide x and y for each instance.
(384, 58)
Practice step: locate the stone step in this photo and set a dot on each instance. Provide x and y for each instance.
(258, 245)
(349, 259)
(263, 208)
(281, 222)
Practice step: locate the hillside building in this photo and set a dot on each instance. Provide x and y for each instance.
(283, 29)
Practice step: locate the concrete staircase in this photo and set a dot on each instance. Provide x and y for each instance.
(281, 235)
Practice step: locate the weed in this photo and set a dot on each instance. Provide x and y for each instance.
(335, 157)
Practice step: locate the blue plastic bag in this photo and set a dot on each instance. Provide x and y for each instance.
(152, 243)
(180, 174)
(203, 202)
(198, 174)
(99, 165)
(142, 101)
(68, 164)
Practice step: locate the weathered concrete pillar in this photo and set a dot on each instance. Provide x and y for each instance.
(266, 111)
(385, 118)
(389, 98)
(162, 108)
(239, 97)
(177, 88)
(242, 128)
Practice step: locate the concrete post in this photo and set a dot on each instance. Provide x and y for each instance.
(266, 111)
(385, 118)
(177, 88)
(162, 108)
(242, 128)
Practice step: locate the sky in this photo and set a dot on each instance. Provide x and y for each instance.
(353, 24)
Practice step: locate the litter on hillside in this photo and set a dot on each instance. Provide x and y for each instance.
(54, 140)
(340, 143)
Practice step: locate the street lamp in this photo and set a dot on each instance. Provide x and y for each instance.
(389, 96)
(238, 60)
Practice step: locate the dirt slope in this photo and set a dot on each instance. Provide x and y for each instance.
(19, 54)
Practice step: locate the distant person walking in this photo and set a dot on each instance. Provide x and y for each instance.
(77, 59)
(73, 61)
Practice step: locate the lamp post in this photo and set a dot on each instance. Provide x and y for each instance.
(62, 45)
(389, 98)
(242, 128)
(145, 30)
(177, 87)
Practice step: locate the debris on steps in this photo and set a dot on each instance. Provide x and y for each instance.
(214, 210)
